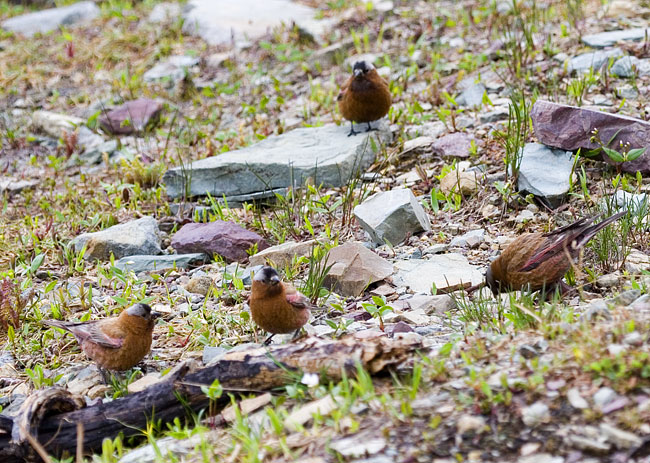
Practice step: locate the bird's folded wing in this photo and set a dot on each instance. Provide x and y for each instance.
(298, 300)
(97, 336)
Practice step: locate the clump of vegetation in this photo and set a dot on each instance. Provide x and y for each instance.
(11, 305)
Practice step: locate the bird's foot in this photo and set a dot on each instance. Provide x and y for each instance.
(106, 376)
(267, 341)
(370, 128)
(352, 132)
(296, 334)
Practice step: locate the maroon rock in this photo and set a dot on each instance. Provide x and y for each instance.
(569, 128)
(227, 239)
(399, 327)
(456, 145)
(132, 116)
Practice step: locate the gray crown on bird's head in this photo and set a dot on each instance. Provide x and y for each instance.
(139, 310)
(267, 275)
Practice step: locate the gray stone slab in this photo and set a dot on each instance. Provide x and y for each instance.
(326, 154)
(629, 65)
(606, 39)
(148, 263)
(593, 60)
(545, 172)
(48, 20)
(220, 22)
(445, 271)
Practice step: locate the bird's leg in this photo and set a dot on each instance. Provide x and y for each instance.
(106, 376)
(352, 131)
(296, 334)
(369, 129)
(268, 340)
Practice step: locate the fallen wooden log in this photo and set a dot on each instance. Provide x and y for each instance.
(51, 415)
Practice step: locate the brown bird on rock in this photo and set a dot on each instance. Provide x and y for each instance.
(364, 97)
(540, 260)
(277, 307)
(116, 343)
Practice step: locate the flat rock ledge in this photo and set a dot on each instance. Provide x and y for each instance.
(325, 154)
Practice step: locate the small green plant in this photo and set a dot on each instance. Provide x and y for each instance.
(377, 309)
(39, 379)
(624, 154)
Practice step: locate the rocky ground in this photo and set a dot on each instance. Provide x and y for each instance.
(161, 153)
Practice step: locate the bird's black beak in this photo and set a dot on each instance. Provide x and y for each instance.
(155, 314)
(358, 73)
(274, 280)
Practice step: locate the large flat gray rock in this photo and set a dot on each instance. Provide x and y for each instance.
(606, 39)
(447, 272)
(220, 22)
(594, 60)
(545, 172)
(147, 263)
(48, 20)
(630, 65)
(326, 154)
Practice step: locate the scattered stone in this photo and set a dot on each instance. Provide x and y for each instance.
(616, 349)
(354, 267)
(213, 354)
(604, 396)
(594, 60)
(132, 238)
(220, 22)
(545, 172)
(432, 304)
(94, 154)
(199, 285)
(303, 414)
(626, 297)
(587, 444)
(142, 383)
(597, 309)
(627, 91)
(540, 458)
(615, 405)
(637, 203)
(148, 263)
(642, 303)
(283, 254)
(358, 446)
(51, 19)
(629, 66)
(570, 128)
(470, 423)
(13, 185)
(527, 351)
(165, 12)
(447, 272)
(609, 280)
(173, 69)
(499, 113)
(325, 154)
(168, 447)
(470, 239)
(227, 239)
(621, 439)
(472, 96)
(399, 327)
(455, 145)
(536, 414)
(466, 183)
(54, 124)
(525, 216)
(132, 117)
(576, 400)
(606, 39)
(392, 216)
(633, 339)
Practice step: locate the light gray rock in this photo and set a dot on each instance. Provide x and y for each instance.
(173, 69)
(471, 239)
(545, 172)
(165, 447)
(536, 414)
(213, 354)
(499, 113)
(472, 96)
(618, 437)
(164, 12)
(148, 263)
(136, 237)
(576, 400)
(627, 91)
(326, 154)
(629, 65)
(93, 154)
(48, 20)
(432, 304)
(604, 396)
(219, 22)
(638, 203)
(358, 446)
(282, 254)
(593, 60)
(392, 216)
(444, 271)
(606, 39)
(14, 185)
(540, 458)
(54, 124)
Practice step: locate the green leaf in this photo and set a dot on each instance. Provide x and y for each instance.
(634, 153)
(36, 263)
(613, 154)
